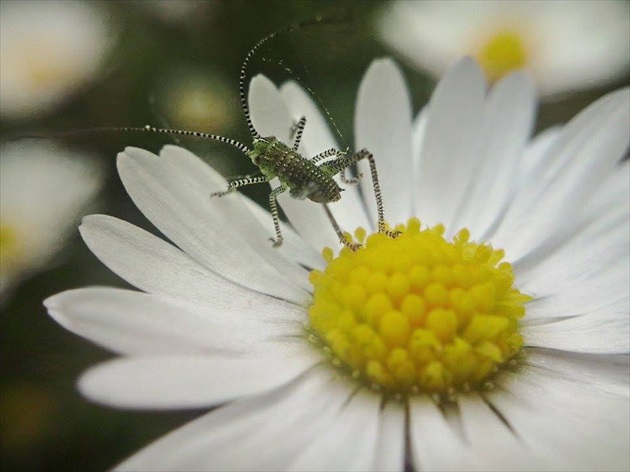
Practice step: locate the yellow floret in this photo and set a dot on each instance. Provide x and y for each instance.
(418, 313)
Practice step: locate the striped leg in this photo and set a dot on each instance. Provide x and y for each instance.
(338, 165)
(328, 153)
(241, 182)
(299, 129)
(274, 214)
(342, 237)
(349, 181)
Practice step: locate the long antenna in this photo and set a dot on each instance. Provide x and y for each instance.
(145, 129)
(250, 54)
(194, 134)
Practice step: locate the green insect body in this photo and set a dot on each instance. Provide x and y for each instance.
(300, 176)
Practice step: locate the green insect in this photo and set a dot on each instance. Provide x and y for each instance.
(302, 177)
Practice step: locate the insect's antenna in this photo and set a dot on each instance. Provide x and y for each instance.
(160, 117)
(241, 82)
(180, 132)
(250, 54)
(145, 129)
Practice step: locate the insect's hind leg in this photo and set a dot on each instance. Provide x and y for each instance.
(274, 214)
(342, 237)
(339, 165)
(241, 182)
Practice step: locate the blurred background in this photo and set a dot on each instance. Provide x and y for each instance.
(67, 67)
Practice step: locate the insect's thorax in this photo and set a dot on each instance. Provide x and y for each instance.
(303, 178)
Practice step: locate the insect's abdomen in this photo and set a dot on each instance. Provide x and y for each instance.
(303, 178)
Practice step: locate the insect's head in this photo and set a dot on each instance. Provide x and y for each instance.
(260, 148)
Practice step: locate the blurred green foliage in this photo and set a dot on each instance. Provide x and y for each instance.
(45, 423)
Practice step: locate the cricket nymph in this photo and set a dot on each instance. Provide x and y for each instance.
(301, 176)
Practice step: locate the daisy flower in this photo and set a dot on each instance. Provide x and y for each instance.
(429, 351)
(174, 12)
(43, 189)
(48, 51)
(564, 45)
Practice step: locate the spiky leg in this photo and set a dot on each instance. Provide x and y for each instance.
(274, 214)
(342, 237)
(338, 165)
(298, 130)
(328, 153)
(234, 184)
(346, 180)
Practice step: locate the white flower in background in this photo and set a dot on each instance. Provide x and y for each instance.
(193, 98)
(43, 189)
(408, 350)
(48, 51)
(565, 45)
(176, 11)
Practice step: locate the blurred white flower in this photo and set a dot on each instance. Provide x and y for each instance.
(196, 99)
(309, 372)
(565, 45)
(48, 50)
(176, 11)
(43, 190)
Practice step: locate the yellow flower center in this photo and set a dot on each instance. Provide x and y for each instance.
(43, 69)
(417, 313)
(502, 53)
(9, 247)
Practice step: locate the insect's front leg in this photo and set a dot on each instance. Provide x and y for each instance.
(339, 165)
(342, 237)
(382, 227)
(241, 182)
(274, 214)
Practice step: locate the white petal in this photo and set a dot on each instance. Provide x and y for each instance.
(600, 248)
(270, 114)
(572, 427)
(606, 373)
(349, 441)
(579, 52)
(188, 382)
(536, 153)
(382, 125)
(157, 267)
(614, 193)
(130, 322)
(235, 210)
(587, 151)
(263, 433)
(350, 210)
(154, 265)
(493, 444)
(167, 199)
(452, 131)
(595, 293)
(317, 136)
(602, 331)
(508, 118)
(294, 247)
(272, 118)
(435, 444)
(390, 450)
(565, 48)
